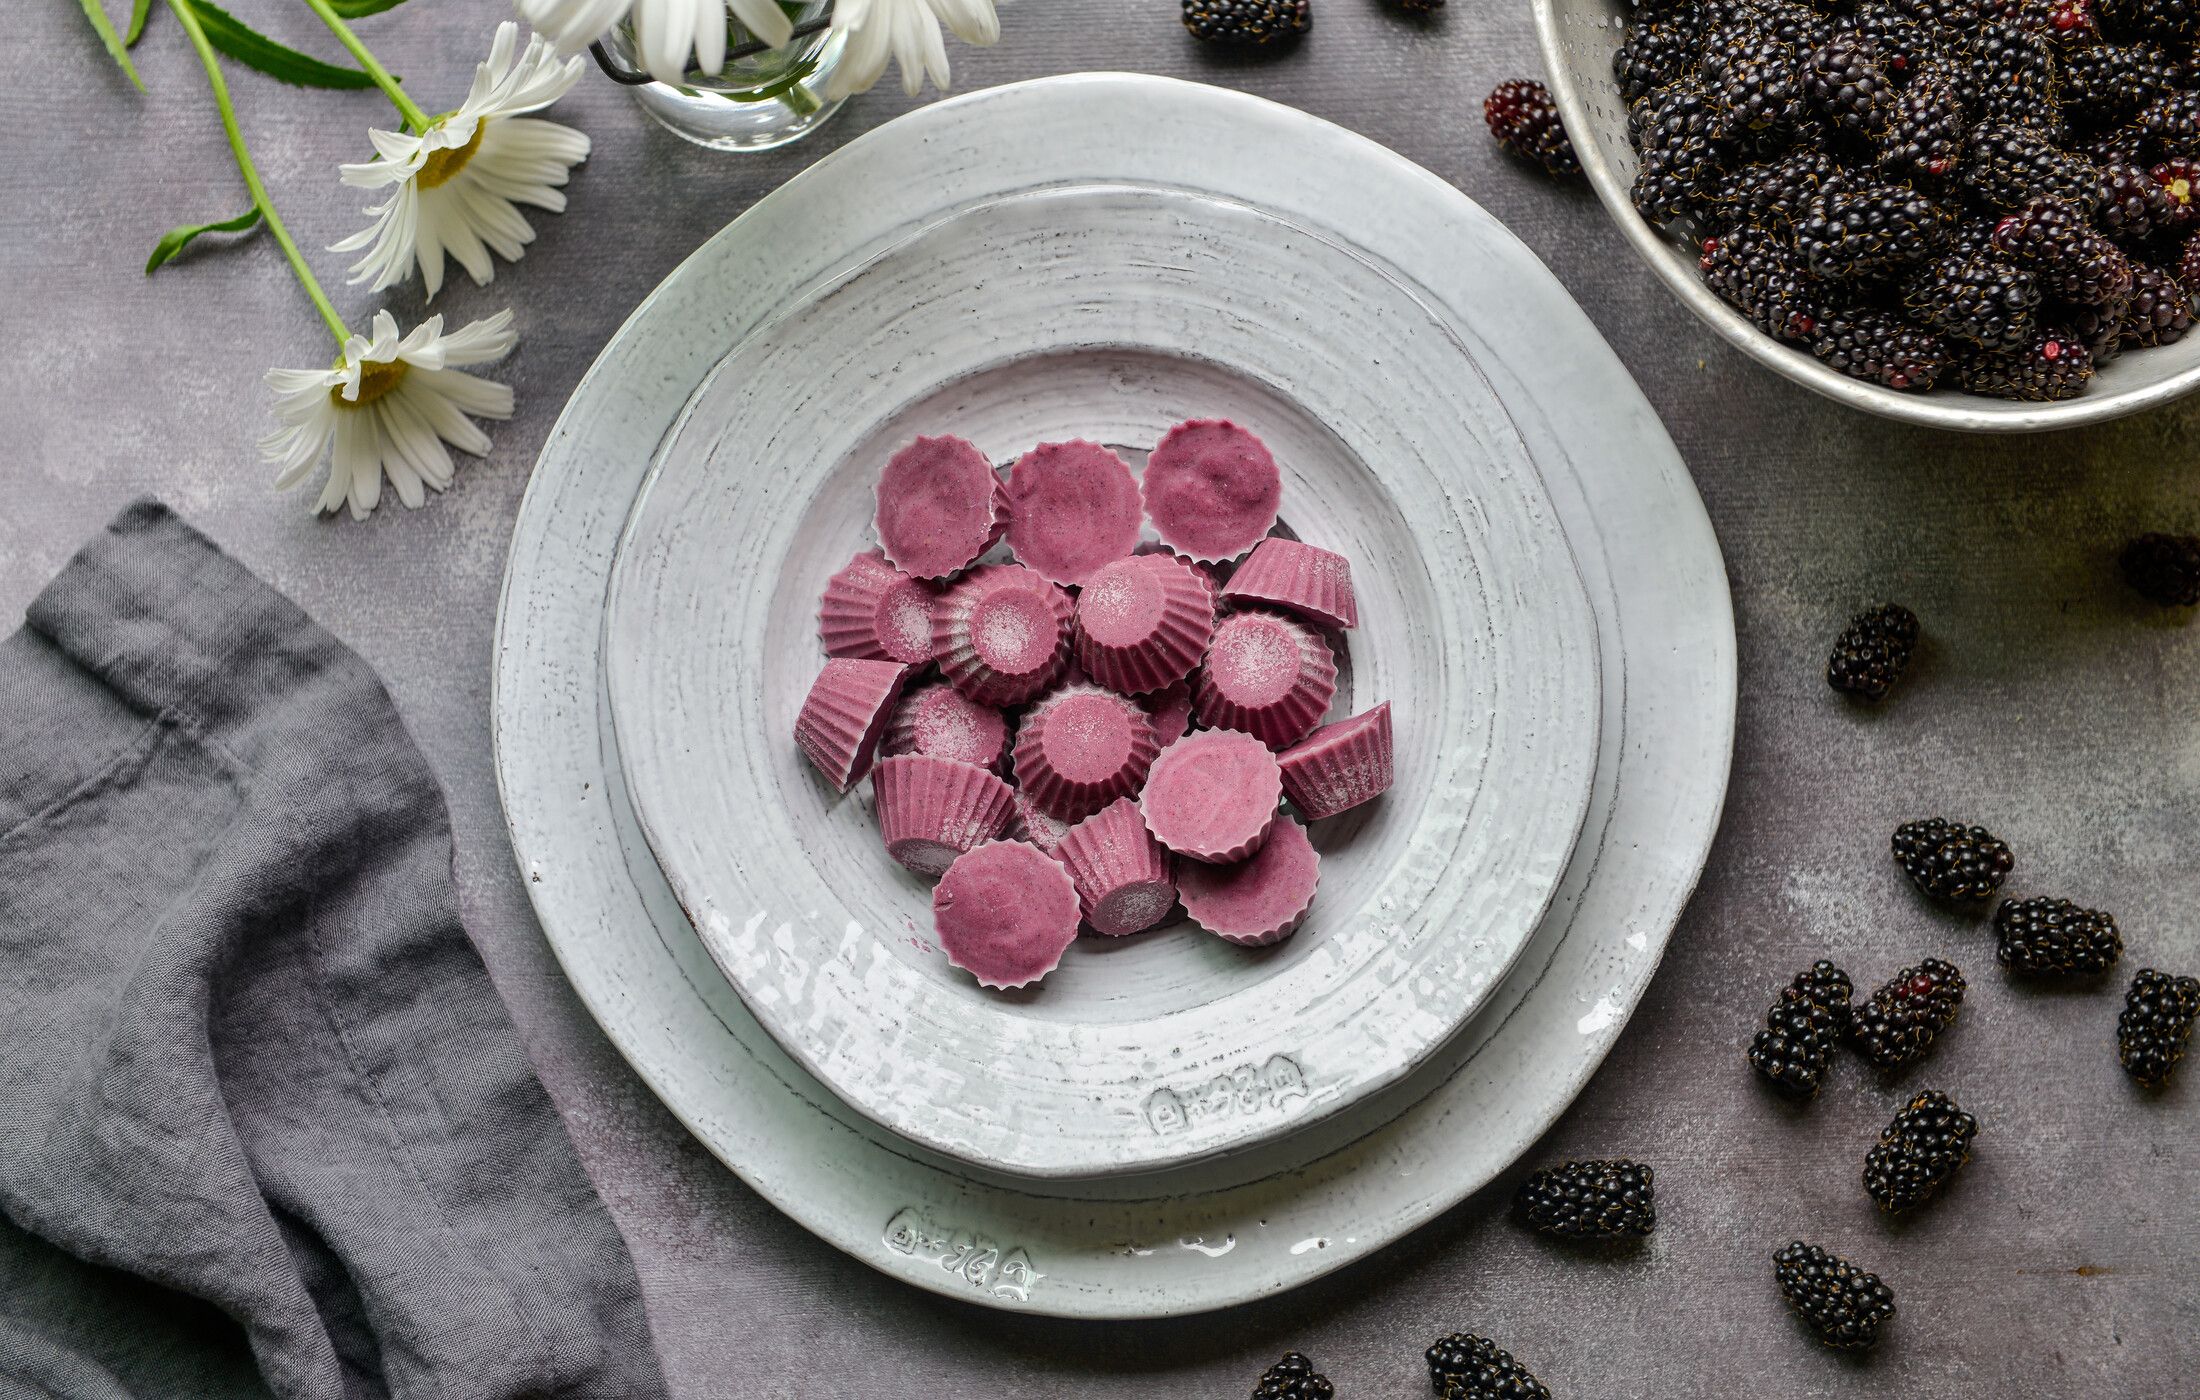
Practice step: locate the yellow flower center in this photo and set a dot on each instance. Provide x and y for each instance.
(445, 164)
(375, 380)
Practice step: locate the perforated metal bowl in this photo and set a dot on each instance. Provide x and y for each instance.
(1578, 38)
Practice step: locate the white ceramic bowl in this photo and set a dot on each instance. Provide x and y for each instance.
(1109, 312)
(1578, 39)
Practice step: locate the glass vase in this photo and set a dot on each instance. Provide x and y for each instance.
(764, 97)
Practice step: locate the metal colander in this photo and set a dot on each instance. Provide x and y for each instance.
(1578, 39)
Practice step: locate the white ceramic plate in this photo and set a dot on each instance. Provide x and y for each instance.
(1109, 312)
(1218, 1233)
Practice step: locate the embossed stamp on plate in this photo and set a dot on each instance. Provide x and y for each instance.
(1003, 1273)
(1244, 1090)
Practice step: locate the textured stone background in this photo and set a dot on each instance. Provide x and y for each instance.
(2049, 705)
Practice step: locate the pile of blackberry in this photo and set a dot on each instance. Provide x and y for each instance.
(1999, 195)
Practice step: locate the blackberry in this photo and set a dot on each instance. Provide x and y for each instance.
(2099, 328)
(2129, 205)
(2111, 82)
(1899, 1023)
(1764, 280)
(1651, 56)
(1525, 122)
(1868, 232)
(1882, 347)
(1927, 127)
(2071, 24)
(1771, 193)
(1949, 15)
(2015, 77)
(2008, 164)
(2118, 145)
(1674, 129)
(2165, 569)
(2179, 179)
(2071, 260)
(2054, 364)
(1293, 1378)
(1902, 42)
(1590, 1200)
(1754, 77)
(1873, 651)
(2156, 1024)
(1247, 23)
(2187, 271)
(1466, 1367)
(1844, 81)
(1949, 860)
(1800, 1030)
(1979, 300)
(2055, 938)
(2160, 312)
(1843, 1306)
(1919, 1151)
(2172, 124)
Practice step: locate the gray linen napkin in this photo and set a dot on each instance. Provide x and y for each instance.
(260, 1108)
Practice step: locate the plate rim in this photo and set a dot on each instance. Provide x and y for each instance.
(1620, 414)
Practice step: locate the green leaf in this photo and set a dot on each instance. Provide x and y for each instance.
(360, 9)
(105, 28)
(177, 239)
(278, 61)
(140, 11)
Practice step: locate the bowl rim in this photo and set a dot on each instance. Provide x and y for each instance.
(1953, 410)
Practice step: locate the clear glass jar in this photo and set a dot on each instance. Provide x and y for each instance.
(764, 98)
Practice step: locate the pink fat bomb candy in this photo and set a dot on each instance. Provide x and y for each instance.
(1142, 624)
(1072, 506)
(1001, 634)
(1005, 913)
(1259, 900)
(1266, 674)
(1211, 490)
(1172, 713)
(1339, 766)
(939, 507)
(874, 611)
(1036, 825)
(1121, 872)
(936, 720)
(1210, 576)
(1299, 578)
(1212, 795)
(1081, 747)
(841, 721)
(931, 810)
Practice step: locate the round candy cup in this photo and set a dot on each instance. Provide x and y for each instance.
(844, 715)
(1313, 583)
(1339, 766)
(1082, 747)
(1001, 634)
(1005, 913)
(1269, 675)
(873, 611)
(1142, 624)
(939, 507)
(1072, 507)
(1121, 872)
(1212, 795)
(1260, 900)
(931, 810)
(1211, 489)
(938, 721)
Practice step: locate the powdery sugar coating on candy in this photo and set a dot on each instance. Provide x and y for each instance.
(874, 611)
(1072, 507)
(1172, 713)
(1211, 489)
(1082, 747)
(938, 722)
(1142, 624)
(1121, 872)
(1256, 901)
(939, 507)
(1005, 913)
(1313, 583)
(1212, 795)
(840, 723)
(1032, 823)
(1269, 675)
(1340, 765)
(931, 810)
(1001, 634)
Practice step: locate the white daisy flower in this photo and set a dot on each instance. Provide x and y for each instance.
(460, 183)
(389, 406)
(666, 31)
(909, 32)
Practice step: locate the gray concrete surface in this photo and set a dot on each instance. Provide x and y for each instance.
(2049, 705)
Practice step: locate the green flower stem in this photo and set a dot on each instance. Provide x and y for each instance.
(189, 19)
(418, 120)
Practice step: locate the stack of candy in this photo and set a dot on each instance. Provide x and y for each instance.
(1113, 725)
